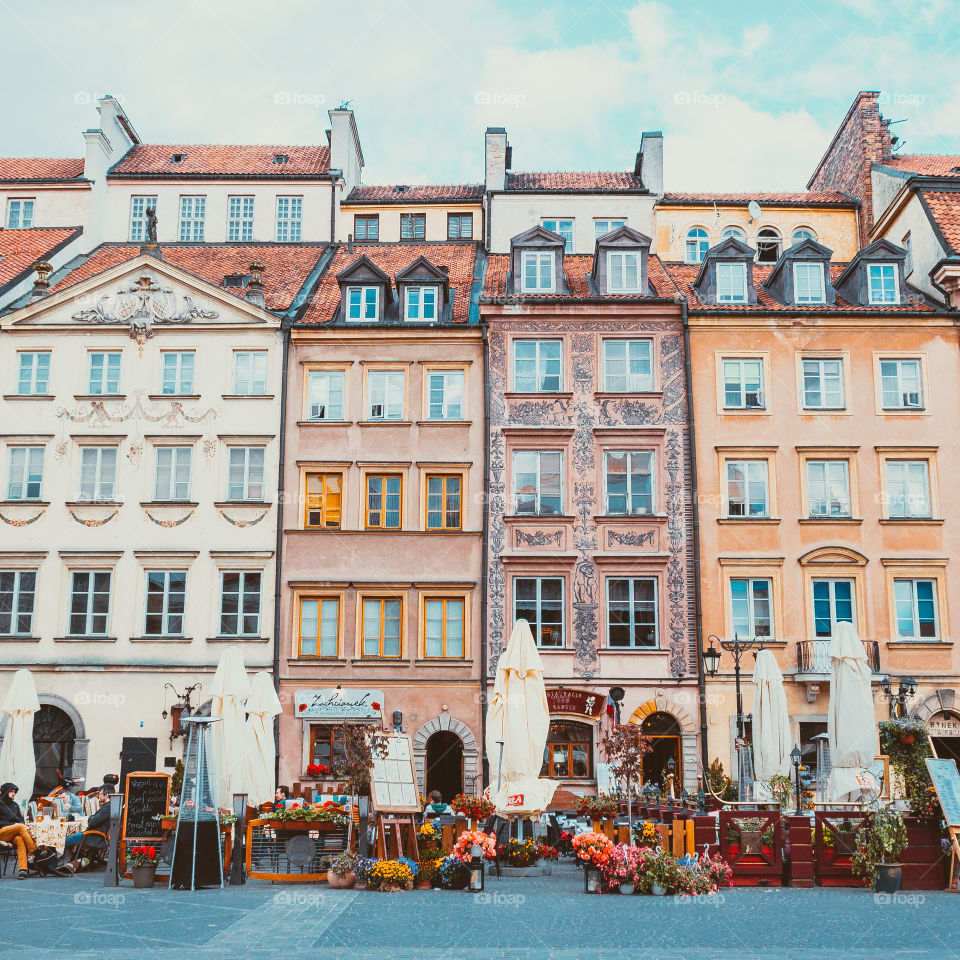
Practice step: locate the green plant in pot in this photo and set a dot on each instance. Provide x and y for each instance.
(143, 863)
(881, 840)
(341, 870)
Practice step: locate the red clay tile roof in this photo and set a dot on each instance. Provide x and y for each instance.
(216, 160)
(414, 193)
(944, 206)
(21, 249)
(576, 181)
(576, 274)
(686, 273)
(286, 266)
(392, 258)
(926, 164)
(741, 199)
(25, 169)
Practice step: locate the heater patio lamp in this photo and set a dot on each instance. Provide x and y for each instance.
(476, 869)
(795, 757)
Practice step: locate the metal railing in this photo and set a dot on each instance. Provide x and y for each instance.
(813, 656)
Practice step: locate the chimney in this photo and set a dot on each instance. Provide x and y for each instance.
(41, 286)
(349, 243)
(649, 165)
(254, 292)
(495, 151)
(345, 152)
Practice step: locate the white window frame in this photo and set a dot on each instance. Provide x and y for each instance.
(16, 217)
(731, 279)
(88, 614)
(800, 234)
(240, 209)
(805, 291)
(110, 365)
(139, 205)
(623, 258)
(169, 464)
(421, 302)
(447, 409)
(25, 469)
(562, 226)
(316, 378)
(103, 488)
(36, 364)
(911, 583)
(696, 245)
(633, 602)
(538, 510)
(540, 365)
(289, 219)
(821, 377)
(632, 382)
(165, 614)
(825, 485)
(882, 299)
(252, 475)
(737, 365)
(250, 373)
(181, 387)
(191, 226)
(543, 261)
(609, 225)
(651, 457)
(738, 233)
(745, 466)
(381, 392)
(538, 601)
(832, 600)
(898, 377)
(751, 601)
(16, 594)
(242, 592)
(360, 312)
(905, 484)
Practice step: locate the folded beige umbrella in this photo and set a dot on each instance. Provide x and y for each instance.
(519, 717)
(232, 744)
(771, 722)
(17, 761)
(262, 706)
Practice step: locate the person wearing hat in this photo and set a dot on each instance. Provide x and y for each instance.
(12, 829)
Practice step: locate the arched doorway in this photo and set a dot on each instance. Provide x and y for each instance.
(54, 739)
(444, 764)
(663, 732)
(945, 734)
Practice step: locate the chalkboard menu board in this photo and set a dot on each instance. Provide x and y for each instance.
(946, 781)
(147, 795)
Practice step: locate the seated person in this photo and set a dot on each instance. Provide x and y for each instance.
(281, 798)
(99, 821)
(67, 798)
(12, 829)
(435, 807)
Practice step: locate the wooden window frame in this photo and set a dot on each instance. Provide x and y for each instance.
(727, 454)
(320, 597)
(445, 597)
(367, 476)
(848, 455)
(932, 568)
(382, 597)
(927, 455)
(749, 568)
(459, 218)
(325, 474)
(367, 218)
(444, 476)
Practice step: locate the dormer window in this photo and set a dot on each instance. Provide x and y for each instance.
(808, 286)
(421, 304)
(623, 271)
(178, 158)
(537, 271)
(362, 303)
(731, 282)
(882, 286)
(280, 158)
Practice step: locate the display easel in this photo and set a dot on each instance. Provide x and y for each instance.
(396, 798)
(946, 782)
(396, 836)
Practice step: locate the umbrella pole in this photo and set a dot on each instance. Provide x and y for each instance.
(499, 765)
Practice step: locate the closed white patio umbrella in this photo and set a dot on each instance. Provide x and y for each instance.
(518, 715)
(851, 725)
(263, 705)
(771, 723)
(232, 745)
(17, 760)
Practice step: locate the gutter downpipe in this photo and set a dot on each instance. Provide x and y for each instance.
(485, 556)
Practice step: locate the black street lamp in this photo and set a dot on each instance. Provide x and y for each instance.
(897, 702)
(711, 663)
(616, 695)
(795, 757)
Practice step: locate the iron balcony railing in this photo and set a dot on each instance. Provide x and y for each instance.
(813, 656)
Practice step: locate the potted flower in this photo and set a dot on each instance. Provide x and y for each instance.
(341, 870)
(362, 868)
(620, 870)
(546, 852)
(428, 872)
(519, 853)
(144, 862)
(454, 873)
(473, 808)
(391, 876)
(645, 834)
(881, 840)
(601, 807)
(660, 873)
(470, 838)
(593, 848)
(317, 770)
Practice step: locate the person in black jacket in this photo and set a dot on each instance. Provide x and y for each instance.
(12, 829)
(98, 821)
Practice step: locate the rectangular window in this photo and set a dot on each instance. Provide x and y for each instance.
(623, 271)
(323, 508)
(916, 609)
(25, 474)
(173, 473)
(177, 373)
(828, 488)
(421, 304)
(537, 366)
(166, 601)
(98, 473)
(289, 219)
(413, 226)
(104, 373)
(564, 228)
(603, 227)
(823, 384)
(628, 477)
(89, 603)
(445, 394)
(381, 627)
(385, 395)
(751, 613)
(632, 612)
(747, 494)
(362, 303)
(18, 590)
(240, 603)
(443, 628)
(138, 217)
(908, 488)
(239, 219)
(327, 744)
(882, 283)
(245, 473)
(536, 270)
(319, 627)
(193, 210)
(444, 502)
(325, 390)
(459, 226)
(33, 376)
(366, 227)
(20, 214)
(384, 501)
(731, 282)
(901, 384)
(832, 604)
(537, 482)
(250, 372)
(808, 285)
(539, 601)
(628, 366)
(743, 384)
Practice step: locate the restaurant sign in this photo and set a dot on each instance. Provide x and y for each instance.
(338, 704)
(582, 703)
(944, 726)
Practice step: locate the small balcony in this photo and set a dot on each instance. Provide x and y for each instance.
(813, 657)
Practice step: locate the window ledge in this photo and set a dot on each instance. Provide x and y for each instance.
(443, 662)
(84, 639)
(317, 661)
(17, 638)
(922, 644)
(621, 650)
(538, 395)
(162, 638)
(629, 517)
(444, 423)
(173, 396)
(539, 517)
(383, 660)
(169, 503)
(247, 396)
(243, 503)
(93, 503)
(769, 521)
(750, 410)
(848, 520)
(325, 423)
(386, 423)
(29, 396)
(895, 521)
(24, 503)
(99, 396)
(633, 395)
(237, 639)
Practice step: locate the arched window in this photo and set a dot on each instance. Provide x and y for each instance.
(698, 242)
(54, 736)
(569, 750)
(737, 233)
(802, 233)
(769, 245)
(663, 732)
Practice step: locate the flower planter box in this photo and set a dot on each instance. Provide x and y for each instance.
(754, 862)
(834, 863)
(284, 850)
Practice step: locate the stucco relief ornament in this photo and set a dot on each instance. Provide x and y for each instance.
(244, 523)
(89, 522)
(135, 454)
(167, 523)
(169, 413)
(11, 522)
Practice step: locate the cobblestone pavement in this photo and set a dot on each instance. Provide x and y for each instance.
(516, 919)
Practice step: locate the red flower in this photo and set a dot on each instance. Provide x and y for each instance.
(152, 852)
(302, 707)
(375, 705)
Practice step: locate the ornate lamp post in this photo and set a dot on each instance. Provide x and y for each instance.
(711, 663)
(897, 702)
(795, 757)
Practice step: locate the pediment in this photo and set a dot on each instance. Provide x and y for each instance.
(422, 269)
(538, 236)
(833, 555)
(362, 270)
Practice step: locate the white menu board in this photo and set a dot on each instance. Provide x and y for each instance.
(393, 781)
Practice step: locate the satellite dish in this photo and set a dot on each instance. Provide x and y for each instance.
(753, 208)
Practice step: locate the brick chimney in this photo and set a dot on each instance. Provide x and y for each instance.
(649, 164)
(495, 154)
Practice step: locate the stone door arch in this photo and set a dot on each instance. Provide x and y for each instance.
(445, 722)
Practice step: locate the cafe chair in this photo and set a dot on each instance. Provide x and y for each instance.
(32, 810)
(93, 845)
(6, 852)
(91, 804)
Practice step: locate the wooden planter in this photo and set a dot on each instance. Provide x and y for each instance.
(754, 862)
(834, 860)
(277, 844)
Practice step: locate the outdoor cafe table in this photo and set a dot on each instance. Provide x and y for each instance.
(54, 833)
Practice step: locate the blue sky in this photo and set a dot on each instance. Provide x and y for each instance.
(747, 94)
